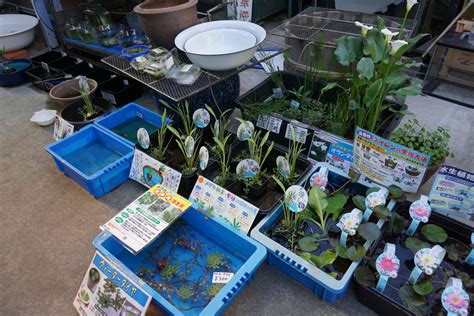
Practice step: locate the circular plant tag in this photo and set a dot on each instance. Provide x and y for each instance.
(189, 146)
(454, 298)
(247, 169)
(203, 157)
(387, 263)
(375, 198)
(283, 167)
(296, 198)
(201, 118)
(420, 211)
(349, 222)
(429, 259)
(245, 130)
(143, 138)
(318, 179)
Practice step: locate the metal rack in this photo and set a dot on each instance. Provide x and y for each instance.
(167, 87)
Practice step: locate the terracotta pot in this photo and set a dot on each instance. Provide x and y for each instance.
(67, 92)
(162, 20)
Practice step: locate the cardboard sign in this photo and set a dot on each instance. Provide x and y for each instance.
(222, 205)
(150, 172)
(106, 290)
(142, 221)
(388, 163)
(452, 193)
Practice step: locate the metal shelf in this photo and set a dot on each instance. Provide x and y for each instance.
(268, 49)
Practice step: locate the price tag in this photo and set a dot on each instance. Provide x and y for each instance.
(299, 132)
(222, 277)
(45, 66)
(269, 123)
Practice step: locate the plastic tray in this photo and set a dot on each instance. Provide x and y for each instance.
(47, 58)
(128, 113)
(64, 63)
(250, 252)
(120, 91)
(81, 69)
(321, 283)
(41, 79)
(103, 180)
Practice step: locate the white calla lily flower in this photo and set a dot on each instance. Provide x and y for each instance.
(364, 28)
(396, 45)
(410, 4)
(388, 35)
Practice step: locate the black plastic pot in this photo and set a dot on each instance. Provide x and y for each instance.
(47, 58)
(44, 80)
(187, 184)
(72, 114)
(120, 91)
(386, 303)
(292, 81)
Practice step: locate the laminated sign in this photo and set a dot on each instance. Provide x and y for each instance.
(387, 163)
(106, 290)
(244, 10)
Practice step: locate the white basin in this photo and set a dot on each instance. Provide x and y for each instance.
(216, 58)
(230, 41)
(16, 31)
(44, 117)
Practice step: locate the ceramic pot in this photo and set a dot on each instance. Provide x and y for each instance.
(72, 114)
(162, 20)
(68, 92)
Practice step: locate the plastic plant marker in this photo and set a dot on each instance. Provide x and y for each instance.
(201, 118)
(203, 157)
(189, 144)
(296, 198)
(247, 169)
(374, 199)
(427, 260)
(454, 298)
(143, 138)
(348, 224)
(283, 167)
(470, 257)
(245, 130)
(320, 178)
(420, 211)
(387, 265)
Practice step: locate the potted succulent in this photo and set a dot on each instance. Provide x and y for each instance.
(87, 110)
(434, 143)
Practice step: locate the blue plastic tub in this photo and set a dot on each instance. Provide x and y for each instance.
(95, 159)
(244, 257)
(125, 122)
(17, 77)
(322, 284)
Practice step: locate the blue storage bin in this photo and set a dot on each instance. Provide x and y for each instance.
(322, 284)
(151, 121)
(213, 235)
(95, 159)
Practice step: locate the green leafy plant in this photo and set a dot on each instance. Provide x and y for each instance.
(185, 292)
(88, 109)
(159, 152)
(382, 211)
(433, 143)
(215, 260)
(169, 271)
(295, 148)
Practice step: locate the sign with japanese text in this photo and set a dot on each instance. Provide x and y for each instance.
(62, 128)
(222, 205)
(335, 150)
(106, 290)
(269, 123)
(388, 163)
(244, 10)
(452, 193)
(142, 221)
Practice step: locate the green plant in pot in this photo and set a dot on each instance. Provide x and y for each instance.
(286, 171)
(159, 152)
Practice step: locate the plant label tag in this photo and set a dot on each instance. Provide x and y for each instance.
(125, 82)
(64, 54)
(109, 97)
(143, 138)
(45, 66)
(62, 128)
(201, 118)
(113, 76)
(277, 93)
(295, 105)
(79, 60)
(222, 277)
(299, 132)
(90, 65)
(245, 130)
(269, 123)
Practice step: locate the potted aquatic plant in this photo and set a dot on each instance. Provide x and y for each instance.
(12, 72)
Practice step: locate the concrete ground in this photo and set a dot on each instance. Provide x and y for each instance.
(48, 222)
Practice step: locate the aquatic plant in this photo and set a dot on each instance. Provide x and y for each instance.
(169, 271)
(215, 260)
(185, 292)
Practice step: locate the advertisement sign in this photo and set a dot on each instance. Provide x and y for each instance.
(388, 163)
(452, 193)
(222, 205)
(105, 290)
(244, 10)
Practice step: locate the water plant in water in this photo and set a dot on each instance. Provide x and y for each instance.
(159, 152)
(4, 62)
(221, 147)
(215, 260)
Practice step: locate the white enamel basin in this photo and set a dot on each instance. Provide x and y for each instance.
(16, 31)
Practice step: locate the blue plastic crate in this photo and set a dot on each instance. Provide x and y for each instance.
(95, 159)
(322, 284)
(129, 113)
(213, 235)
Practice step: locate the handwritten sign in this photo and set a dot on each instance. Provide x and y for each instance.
(222, 277)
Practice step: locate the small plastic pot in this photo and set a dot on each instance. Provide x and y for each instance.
(187, 184)
(68, 92)
(72, 112)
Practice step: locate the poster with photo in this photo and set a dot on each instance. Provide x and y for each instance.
(150, 172)
(452, 193)
(106, 290)
(244, 10)
(387, 163)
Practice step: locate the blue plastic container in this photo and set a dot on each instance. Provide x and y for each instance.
(322, 284)
(17, 77)
(95, 159)
(125, 122)
(242, 250)
(143, 48)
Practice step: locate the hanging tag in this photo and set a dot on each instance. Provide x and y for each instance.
(320, 178)
(420, 211)
(201, 118)
(203, 158)
(143, 138)
(245, 130)
(427, 260)
(454, 298)
(283, 167)
(222, 277)
(387, 265)
(372, 200)
(296, 198)
(247, 169)
(349, 223)
(189, 146)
